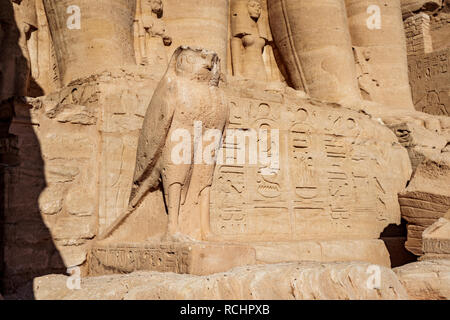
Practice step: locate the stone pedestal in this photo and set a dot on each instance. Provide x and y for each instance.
(198, 258)
(204, 258)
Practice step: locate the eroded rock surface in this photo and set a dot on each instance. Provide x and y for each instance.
(299, 281)
(436, 239)
(327, 79)
(426, 280)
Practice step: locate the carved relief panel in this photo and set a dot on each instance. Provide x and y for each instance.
(429, 77)
(330, 181)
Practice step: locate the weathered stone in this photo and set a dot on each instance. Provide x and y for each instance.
(51, 199)
(380, 51)
(436, 239)
(74, 228)
(315, 44)
(74, 114)
(298, 203)
(264, 229)
(150, 35)
(107, 31)
(424, 201)
(73, 255)
(250, 40)
(429, 78)
(188, 257)
(193, 22)
(60, 172)
(290, 281)
(79, 202)
(410, 6)
(86, 121)
(426, 280)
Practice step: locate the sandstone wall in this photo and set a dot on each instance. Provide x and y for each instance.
(106, 27)
(329, 178)
(290, 281)
(427, 26)
(202, 23)
(380, 52)
(77, 152)
(68, 158)
(430, 82)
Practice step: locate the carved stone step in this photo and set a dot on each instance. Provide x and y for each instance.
(204, 258)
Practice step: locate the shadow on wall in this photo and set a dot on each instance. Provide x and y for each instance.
(394, 238)
(26, 246)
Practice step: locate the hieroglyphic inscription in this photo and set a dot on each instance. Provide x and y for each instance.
(430, 82)
(162, 258)
(330, 175)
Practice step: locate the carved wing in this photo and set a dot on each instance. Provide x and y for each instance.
(152, 140)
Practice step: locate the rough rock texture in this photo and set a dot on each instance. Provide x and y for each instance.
(440, 27)
(328, 176)
(424, 201)
(204, 258)
(283, 281)
(427, 27)
(430, 82)
(200, 23)
(298, 208)
(427, 197)
(76, 79)
(436, 239)
(410, 6)
(106, 27)
(308, 55)
(251, 41)
(426, 280)
(418, 36)
(380, 53)
(58, 195)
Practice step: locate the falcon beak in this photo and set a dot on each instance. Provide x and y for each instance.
(213, 62)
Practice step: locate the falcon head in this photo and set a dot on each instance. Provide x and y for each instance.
(197, 64)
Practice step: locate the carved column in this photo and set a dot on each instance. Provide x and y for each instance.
(201, 23)
(104, 39)
(378, 37)
(314, 42)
